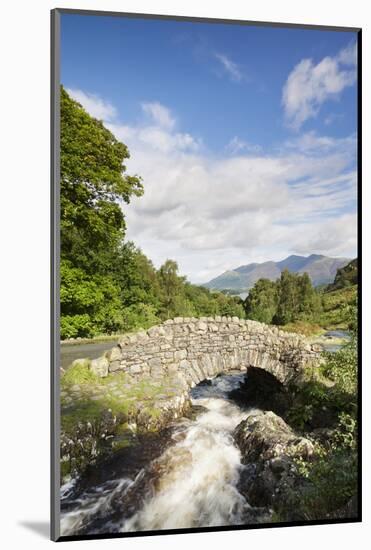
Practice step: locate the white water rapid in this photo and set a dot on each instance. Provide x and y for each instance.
(196, 477)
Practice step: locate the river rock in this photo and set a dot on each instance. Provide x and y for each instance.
(269, 448)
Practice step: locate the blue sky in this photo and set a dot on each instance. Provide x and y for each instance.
(245, 136)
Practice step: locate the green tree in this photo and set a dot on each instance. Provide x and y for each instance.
(262, 300)
(172, 287)
(310, 300)
(346, 276)
(289, 299)
(90, 304)
(93, 182)
(136, 276)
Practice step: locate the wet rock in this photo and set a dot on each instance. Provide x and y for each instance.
(269, 448)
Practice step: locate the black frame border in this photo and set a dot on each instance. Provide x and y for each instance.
(55, 273)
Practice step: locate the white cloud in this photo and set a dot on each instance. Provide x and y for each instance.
(309, 85)
(230, 67)
(155, 138)
(312, 142)
(348, 55)
(212, 213)
(160, 115)
(93, 104)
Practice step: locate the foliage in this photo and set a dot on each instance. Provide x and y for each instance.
(332, 473)
(78, 373)
(89, 304)
(337, 306)
(293, 303)
(346, 276)
(303, 327)
(262, 301)
(139, 316)
(92, 181)
(108, 285)
(286, 300)
(342, 367)
(297, 298)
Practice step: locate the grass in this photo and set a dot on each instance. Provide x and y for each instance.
(303, 327)
(142, 396)
(99, 420)
(336, 305)
(335, 313)
(78, 373)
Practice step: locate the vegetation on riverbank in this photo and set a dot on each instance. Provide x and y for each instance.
(101, 415)
(321, 411)
(326, 408)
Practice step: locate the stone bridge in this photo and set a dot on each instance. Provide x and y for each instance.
(197, 349)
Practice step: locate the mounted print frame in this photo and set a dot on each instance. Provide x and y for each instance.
(206, 274)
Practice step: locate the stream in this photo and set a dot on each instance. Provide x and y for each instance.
(187, 479)
(193, 483)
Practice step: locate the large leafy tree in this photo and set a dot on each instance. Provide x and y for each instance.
(107, 284)
(262, 300)
(93, 182)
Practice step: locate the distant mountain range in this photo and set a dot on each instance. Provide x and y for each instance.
(321, 270)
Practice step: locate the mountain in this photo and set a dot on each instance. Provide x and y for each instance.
(321, 270)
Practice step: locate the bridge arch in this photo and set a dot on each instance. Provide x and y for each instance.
(195, 349)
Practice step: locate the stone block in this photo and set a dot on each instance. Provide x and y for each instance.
(114, 354)
(153, 331)
(142, 336)
(115, 366)
(123, 342)
(100, 366)
(135, 369)
(155, 362)
(184, 364)
(180, 354)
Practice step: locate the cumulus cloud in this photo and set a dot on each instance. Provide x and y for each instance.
(309, 85)
(230, 67)
(98, 108)
(215, 214)
(212, 213)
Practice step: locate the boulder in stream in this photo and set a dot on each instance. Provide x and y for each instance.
(269, 449)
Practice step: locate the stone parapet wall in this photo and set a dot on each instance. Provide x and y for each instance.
(195, 349)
